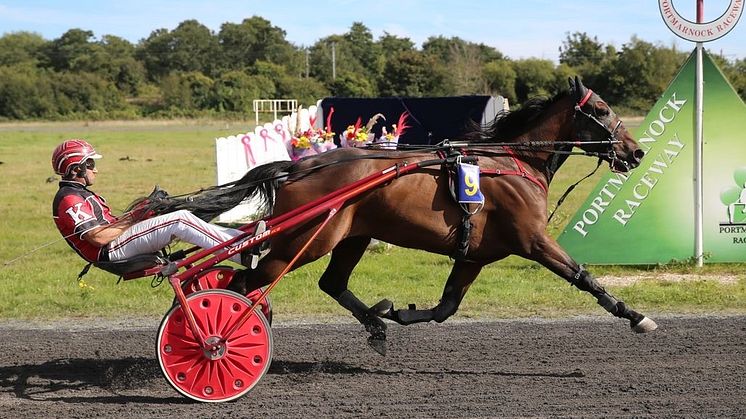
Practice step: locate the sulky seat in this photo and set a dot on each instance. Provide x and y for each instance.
(134, 264)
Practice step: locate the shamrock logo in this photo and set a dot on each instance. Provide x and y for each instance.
(734, 197)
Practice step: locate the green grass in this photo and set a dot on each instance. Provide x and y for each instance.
(180, 157)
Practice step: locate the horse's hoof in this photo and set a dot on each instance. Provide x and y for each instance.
(382, 308)
(644, 326)
(378, 344)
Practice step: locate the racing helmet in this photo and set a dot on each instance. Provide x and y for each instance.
(72, 153)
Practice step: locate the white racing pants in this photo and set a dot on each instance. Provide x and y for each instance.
(152, 235)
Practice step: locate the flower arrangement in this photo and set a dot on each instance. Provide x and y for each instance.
(312, 140)
(302, 141)
(325, 139)
(389, 140)
(358, 135)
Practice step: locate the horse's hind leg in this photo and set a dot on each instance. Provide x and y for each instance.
(547, 252)
(461, 277)
(334, 280)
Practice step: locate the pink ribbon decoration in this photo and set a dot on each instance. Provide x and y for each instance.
(265, 135)
(280, 129)
(250, 161)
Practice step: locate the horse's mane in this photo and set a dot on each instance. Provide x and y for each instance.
(509, 124)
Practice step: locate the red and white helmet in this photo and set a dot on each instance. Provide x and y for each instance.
(72, 153)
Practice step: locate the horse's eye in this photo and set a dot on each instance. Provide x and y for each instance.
(602, 110)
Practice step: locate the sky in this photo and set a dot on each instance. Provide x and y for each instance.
(517, 28)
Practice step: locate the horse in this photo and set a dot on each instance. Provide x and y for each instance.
(417, 210)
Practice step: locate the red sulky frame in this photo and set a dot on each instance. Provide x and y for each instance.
(213, 345)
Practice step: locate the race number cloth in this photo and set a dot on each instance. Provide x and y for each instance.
(468, 184)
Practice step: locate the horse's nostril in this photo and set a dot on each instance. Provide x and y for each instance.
(638, 154)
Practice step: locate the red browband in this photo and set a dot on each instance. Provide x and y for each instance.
(585, 99)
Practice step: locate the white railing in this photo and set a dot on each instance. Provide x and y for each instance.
(273, 106)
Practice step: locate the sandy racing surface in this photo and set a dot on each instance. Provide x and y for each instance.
(589, 367)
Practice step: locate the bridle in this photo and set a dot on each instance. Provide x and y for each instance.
(610, 134)
(610, 153)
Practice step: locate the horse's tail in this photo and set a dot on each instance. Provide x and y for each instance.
(260, 182)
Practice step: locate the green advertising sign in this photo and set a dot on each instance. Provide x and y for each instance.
(647, 216)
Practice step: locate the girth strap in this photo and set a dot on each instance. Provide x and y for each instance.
(463, 230)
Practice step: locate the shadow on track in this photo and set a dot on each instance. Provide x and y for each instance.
(52, 378)
(60, 379)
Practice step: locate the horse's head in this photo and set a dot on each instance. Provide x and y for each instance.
(599, 130)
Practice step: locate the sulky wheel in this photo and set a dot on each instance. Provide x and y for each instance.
(219, 277)
(265, 306)
(229, 366)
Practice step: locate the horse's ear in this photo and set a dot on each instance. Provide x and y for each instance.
(578, 88)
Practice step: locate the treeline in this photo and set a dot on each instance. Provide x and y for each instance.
(192, 71)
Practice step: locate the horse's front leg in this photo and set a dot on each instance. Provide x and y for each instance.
(547, 252)
(335, 279)
(462, 276)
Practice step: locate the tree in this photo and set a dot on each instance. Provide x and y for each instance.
(464, 61)
(392, 44)
(255, 39)
(641, 73)
(534, 77)
(20, 48)
(580, 49)
(320, 57)
(587, 58)
(73, 51)
(359, 43)
(500, 78)
(465, 69)
(25, 92)
(440, 46)
(306, 90)
(85, 93)
(187, 91)
(232, 92)
(190, 47)
(235, 91)
(121, 67)
(350, 84)
(412, 73)
(355, 52)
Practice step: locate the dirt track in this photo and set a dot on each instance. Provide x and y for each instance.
(592, 367)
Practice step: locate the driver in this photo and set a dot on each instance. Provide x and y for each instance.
(85, 220)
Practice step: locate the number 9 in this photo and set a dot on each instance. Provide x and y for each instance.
(471, 186)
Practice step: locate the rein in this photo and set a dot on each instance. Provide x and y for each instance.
(540, 145)
(570, 189)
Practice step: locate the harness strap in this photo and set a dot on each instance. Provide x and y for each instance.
(520, 172)
(84, 271)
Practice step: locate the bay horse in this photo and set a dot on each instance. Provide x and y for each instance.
(417, 210)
